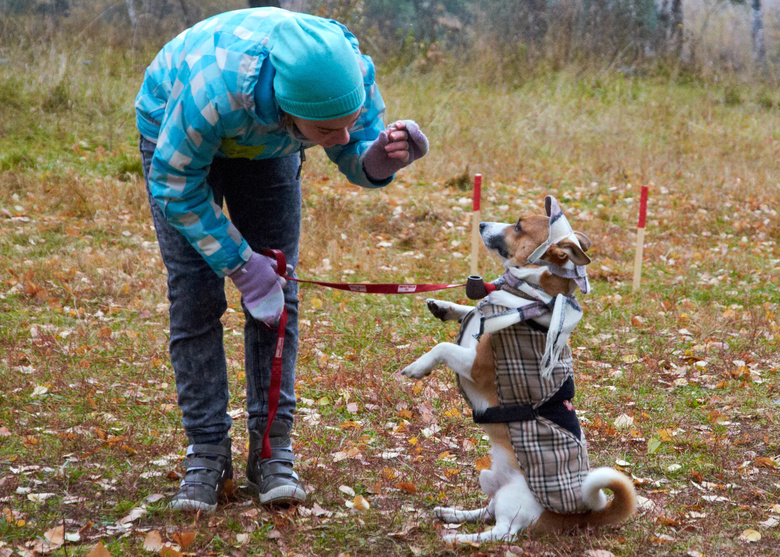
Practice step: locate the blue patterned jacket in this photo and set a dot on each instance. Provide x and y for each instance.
(209, 93)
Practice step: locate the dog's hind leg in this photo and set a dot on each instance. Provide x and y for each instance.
(451, 515)
(447, 311)
(515, 510)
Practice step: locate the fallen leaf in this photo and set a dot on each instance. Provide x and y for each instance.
(99, 551)
(765, 462)
(653, 445)
(347, 490)
(483, 463)
(168, 551)
(388, 473)
(55, 536)
(153, 541)
(38, 497)
(184, 539)
(360, 503)
(132, 516)
(316, 510)
(408, 487)
(599, 553)
(750, 536)
(624, 421)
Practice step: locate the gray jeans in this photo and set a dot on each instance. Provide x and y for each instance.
(263, 198)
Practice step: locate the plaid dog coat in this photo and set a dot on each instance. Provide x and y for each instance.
(538, 413)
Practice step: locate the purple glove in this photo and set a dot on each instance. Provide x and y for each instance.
(378, 163)
(261, 288)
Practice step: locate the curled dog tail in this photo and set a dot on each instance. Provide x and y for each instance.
(623, 503)
(621, 507)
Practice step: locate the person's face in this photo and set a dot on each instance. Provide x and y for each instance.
(327, 133)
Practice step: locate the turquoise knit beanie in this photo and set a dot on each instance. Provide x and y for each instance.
(318, 74)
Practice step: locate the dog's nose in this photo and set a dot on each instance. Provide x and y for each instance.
(482, 226)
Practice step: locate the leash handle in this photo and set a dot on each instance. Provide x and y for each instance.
(275, 387)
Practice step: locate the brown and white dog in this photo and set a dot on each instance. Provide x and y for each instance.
(540, 477)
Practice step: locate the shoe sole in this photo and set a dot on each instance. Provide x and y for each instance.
(190, 505)
(282, 495)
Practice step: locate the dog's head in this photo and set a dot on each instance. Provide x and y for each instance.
(546, 243)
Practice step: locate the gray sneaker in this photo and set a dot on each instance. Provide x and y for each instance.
(273, 479)
(207, 469)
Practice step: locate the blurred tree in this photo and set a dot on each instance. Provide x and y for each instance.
(148, 13)
(757, 32)
(54, 8)
(265, 3)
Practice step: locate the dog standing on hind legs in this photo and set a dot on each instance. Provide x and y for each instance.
(513, 366)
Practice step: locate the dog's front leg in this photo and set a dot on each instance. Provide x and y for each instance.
(460, 359)
(447, 311)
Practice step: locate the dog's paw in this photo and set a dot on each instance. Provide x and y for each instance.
(440, 310)
(443, 514)
(416, 371)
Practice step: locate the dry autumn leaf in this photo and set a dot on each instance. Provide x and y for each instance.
(360, 503)
(483, 463)
(56, 535)
(599, 553)
(765, 462)
(750, 536)
(408, 487)
(99, 551)
(153, 541)
(168, 551)
(624, 421)
(184, 539)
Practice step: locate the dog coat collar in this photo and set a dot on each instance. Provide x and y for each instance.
(560, 229)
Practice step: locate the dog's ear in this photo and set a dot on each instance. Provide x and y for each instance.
(585, 242)
(574, 252)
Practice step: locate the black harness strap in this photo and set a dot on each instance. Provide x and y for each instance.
(554, 410)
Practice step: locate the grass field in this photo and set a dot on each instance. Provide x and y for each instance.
(677, 384)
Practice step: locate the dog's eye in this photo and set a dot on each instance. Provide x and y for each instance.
(519, 225)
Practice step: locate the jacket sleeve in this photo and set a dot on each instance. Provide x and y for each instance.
(190, 135)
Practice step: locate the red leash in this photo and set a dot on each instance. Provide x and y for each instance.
(475, 289)
(276, 367)
(380, 288)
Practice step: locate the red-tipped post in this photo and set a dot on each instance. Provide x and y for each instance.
(640, 238)
(475, 219)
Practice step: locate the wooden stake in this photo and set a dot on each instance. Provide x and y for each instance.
(475, 220)
(640, 238)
